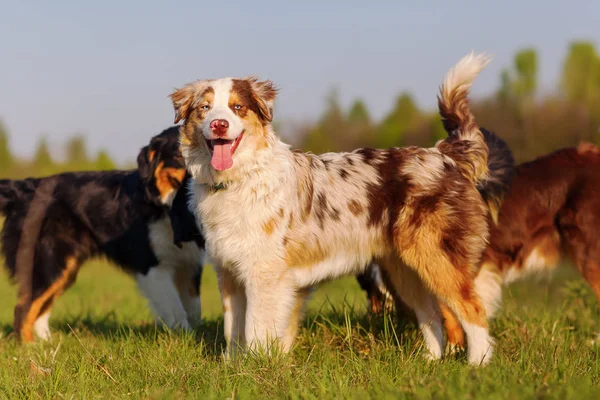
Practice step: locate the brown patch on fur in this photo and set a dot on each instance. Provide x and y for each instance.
(299, 254)
(425, 204)
(324, 209)
(42, 303)
(390, 194)
(321, 209)
(263, 94)
(454, 242)
(189, 97)
(165, 177)
(355, 207)
(151, 155)
(450, 233)
(194, 116)
(269, 226)
(242, 95)
(368, 155)
(454, 332)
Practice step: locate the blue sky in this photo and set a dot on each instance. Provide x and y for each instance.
(105, 68)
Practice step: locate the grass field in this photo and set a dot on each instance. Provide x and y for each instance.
(106, 346)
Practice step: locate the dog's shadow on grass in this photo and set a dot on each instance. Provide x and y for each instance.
(109, 328)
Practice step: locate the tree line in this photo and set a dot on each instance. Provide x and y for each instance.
(533, 123)
(76, 158)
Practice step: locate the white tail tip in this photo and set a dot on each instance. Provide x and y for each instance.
(463, 73)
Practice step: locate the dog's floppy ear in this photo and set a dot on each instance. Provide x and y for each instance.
(184, 99)
(144, 162)
(263, 93)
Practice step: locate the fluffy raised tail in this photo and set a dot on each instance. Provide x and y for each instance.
(465, 143)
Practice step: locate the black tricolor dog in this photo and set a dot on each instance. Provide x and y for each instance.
(137, 219)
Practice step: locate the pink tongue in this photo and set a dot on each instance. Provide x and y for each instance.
(221, 158)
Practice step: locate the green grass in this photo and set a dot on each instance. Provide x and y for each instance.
(106, 346)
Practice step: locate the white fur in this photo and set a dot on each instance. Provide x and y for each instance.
(41, 327)
(480, 344)
(376, 276)
(189, 257)
(461, 76)
(168, 198)
(270, 185)
(220, 110)
(535, 264)
(488, 286)
(429, 168)
(265, 183)
(158, 287)
(176, 308)
(431, 328)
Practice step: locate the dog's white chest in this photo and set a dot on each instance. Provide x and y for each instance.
(234, 228)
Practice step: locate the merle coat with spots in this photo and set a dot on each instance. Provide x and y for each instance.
(278, 221)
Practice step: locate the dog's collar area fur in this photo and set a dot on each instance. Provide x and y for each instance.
(215, 187)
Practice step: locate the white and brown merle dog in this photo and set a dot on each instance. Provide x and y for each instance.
(277, 221)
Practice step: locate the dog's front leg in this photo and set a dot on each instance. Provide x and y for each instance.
(272, 298)
(233, 297)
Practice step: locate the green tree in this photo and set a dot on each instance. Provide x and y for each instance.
(103, 161)
(5, 154)
(359, 127)
(359, 114)
(42, 160)
(328, 133)
(519, 83)
(526, 67)
(77, 156)
(505, 92)
(437, 128)
(581, 73)
(403, 117)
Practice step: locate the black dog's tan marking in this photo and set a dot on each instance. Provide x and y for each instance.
(53, 225)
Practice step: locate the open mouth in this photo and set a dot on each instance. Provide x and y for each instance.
(222, 151)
